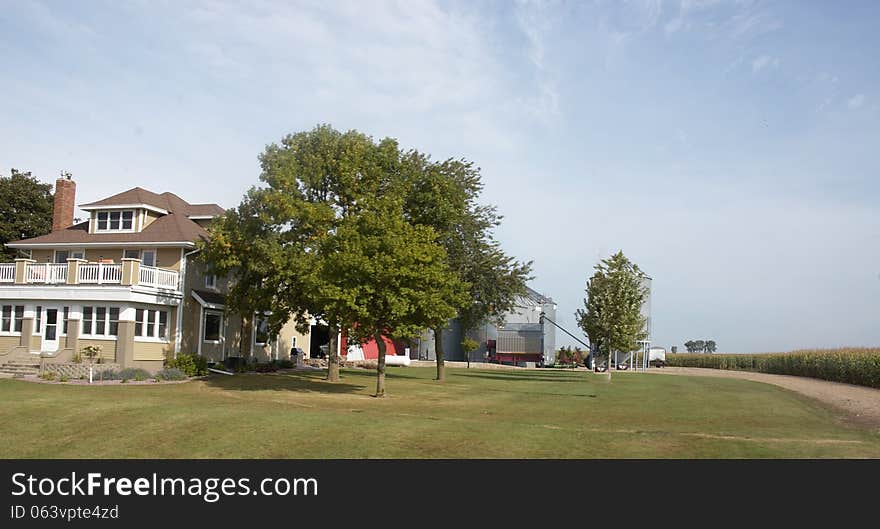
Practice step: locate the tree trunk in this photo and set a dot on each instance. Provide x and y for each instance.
(438, 352)
(380, 367)
(244, 349)
(608, 364)
(332, 355)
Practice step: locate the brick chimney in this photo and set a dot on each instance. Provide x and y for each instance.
(62, 213)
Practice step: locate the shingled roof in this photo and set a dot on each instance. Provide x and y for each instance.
(167, 201)
(175, 226)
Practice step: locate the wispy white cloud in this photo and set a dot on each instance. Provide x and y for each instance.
(764, 61)
(856, 101)
(534, 21)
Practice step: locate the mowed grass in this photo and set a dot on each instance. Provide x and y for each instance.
(474, 414)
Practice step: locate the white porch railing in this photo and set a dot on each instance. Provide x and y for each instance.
(7, 273)
(159, 277)
(100, 273)
(46, 273)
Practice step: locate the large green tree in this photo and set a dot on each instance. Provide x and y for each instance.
(611, 316)
(272, 244)
(326, 238)
(25, 210)
(445, 196)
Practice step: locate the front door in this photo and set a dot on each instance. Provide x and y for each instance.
(50, 330)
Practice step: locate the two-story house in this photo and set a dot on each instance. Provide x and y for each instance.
(128, 279)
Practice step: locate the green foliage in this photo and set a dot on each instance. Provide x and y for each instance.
(611, 316)
(328, 238)
(469, 345)
(134, 373)
(568, 357)
(860, 366)
(26, 210)
(48, 375)
(192, 365)
(91, 352)
(445, 196)
(171, 373)
(701, 346)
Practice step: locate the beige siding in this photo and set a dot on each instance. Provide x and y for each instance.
(108, 347)
(151, 351)
(168, 258)
(151, 216)
(36, 343)
(42, 256)
(94, 255)
(8, 342)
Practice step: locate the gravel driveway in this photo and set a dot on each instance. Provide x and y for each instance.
(858, 403)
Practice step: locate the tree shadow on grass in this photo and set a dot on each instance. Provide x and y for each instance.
(538, 377)
(298, 381)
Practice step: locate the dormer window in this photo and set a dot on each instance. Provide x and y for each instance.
(115, 220)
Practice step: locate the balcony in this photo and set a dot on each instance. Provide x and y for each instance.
(79, 272)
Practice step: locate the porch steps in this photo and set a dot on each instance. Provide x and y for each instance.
(20, 368)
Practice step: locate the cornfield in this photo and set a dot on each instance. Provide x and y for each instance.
(860, 366)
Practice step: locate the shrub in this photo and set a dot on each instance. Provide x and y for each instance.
(267, 367)
(63, 378)
(285, 364)
(860, 366)
(171, 373)
(49, 375)
(192, 365)
(107, 374)
(134, 373)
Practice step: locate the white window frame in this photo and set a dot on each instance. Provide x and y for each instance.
(70, 254)
(94, 322)
(109, 213)
(205, 326)
(38, 320)
(257, 316)
(152, 316)
(64, 313)
(11, 331)
(140, 256)
(213, 284)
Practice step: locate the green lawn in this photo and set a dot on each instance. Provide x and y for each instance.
(476, 413)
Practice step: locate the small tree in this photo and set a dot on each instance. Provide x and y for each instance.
(710, 346)
(612, 315)
(469, 345)
(386, 277)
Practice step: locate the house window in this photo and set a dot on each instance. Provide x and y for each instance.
(61, 256)
(100, 321)
(211, 281)
(86, 321)
(162, 325)
(10, 318)
(147, 257)
(113, 327)
(65, 315)
(213, 322)
(261, 330)
(38, 321)
(151, 324)
(115, 220)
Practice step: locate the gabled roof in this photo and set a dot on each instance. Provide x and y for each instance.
(166, 201)
(172, 227)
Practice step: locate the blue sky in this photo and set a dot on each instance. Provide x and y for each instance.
(729, 148)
